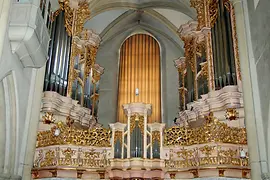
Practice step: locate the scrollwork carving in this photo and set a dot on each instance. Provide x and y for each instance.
(118, 135)
(212, 131)
(155, 136)
(99, 137)
(140, 119)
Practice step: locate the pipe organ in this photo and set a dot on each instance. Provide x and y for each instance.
(71, 69)
(209, 139)
(211, 59)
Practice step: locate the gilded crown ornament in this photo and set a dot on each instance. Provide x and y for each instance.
(48, 118)
(231, 114)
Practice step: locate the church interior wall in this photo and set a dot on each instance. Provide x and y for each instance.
(22, 88)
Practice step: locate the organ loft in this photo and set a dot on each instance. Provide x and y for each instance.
(129, 90)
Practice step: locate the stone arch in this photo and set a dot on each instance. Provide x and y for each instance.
(9, 124)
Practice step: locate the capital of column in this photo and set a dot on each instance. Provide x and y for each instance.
(87, 37)
(190, 29)
(187, 28)
(137, 108)
(97, 72)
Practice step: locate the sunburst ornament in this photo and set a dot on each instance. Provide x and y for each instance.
(48, 118)
(231, 114)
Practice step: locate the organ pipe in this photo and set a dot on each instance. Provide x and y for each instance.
(223, 48)
(213, 39)
(58, 63)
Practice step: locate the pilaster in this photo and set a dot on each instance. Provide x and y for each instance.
(256, 140)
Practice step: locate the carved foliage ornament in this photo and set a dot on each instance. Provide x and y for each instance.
(99, 137)
(155, 136)
(48, 118)
(75, 18)
(190, 49)
(140, 120)
(212, 131)
(118, 135)
(199, 5)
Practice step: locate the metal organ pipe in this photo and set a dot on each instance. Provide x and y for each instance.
(223, 52)
(59, 53)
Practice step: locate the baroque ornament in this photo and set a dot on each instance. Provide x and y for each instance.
(48, 118)
(212, 131)
(137, 118)
(99, 137)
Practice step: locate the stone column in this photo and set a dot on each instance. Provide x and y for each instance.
(31, 125)
(5, 6)
(256, 142)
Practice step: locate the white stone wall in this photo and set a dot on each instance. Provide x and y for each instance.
(255, 28)
(20, 97)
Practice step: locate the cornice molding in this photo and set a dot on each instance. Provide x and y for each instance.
(65, 106)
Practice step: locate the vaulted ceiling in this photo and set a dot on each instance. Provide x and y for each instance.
(112, 17)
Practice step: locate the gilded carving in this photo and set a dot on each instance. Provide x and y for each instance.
(213, 12)
(118, 135)
(185, 154)
(209, 54)
(212, 131)
(235, 44)
(48, 118)
(231, 114)
(74, 157)
(207, 150)
(155, 136)
(68, 153)
(38, 158)
(227, 5)
(199, 5)
(49, 159)
(140, 119)
(75, 18)
(205, 155)
(99, 137)
(190, 49)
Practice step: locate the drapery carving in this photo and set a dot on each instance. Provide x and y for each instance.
(140, 68)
